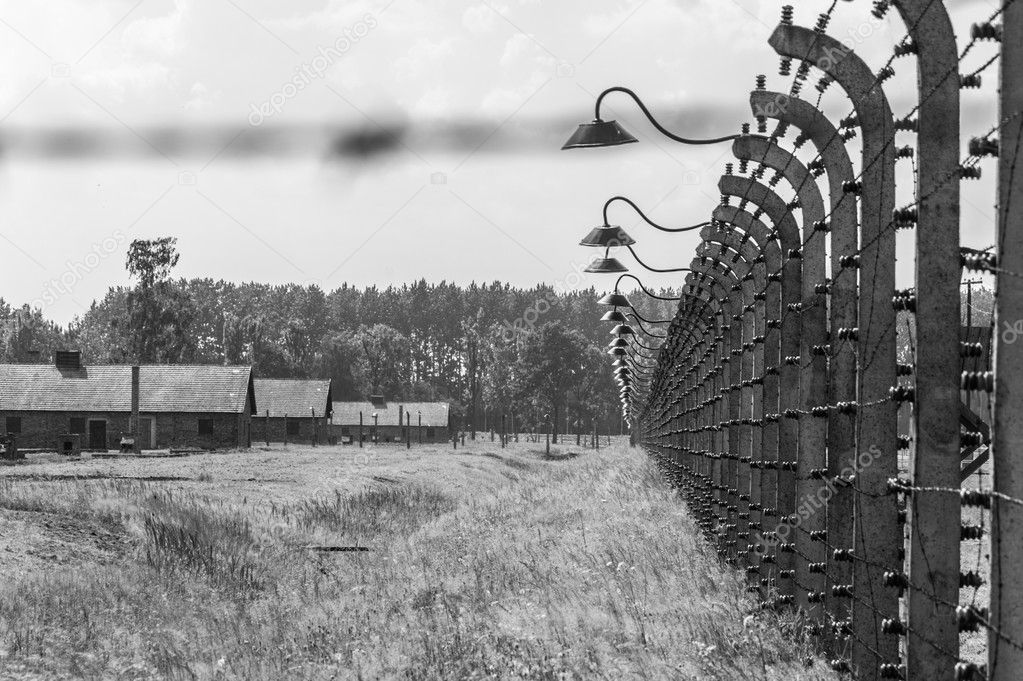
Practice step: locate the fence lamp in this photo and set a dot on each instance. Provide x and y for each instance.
(601, 133)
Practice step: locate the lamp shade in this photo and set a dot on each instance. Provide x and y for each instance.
(622, 330)
(618, 352)
(606, 266)
(618, 343)
(607, 236)
(599, 134)
(620, 362)
(615, 299)
(614, 316)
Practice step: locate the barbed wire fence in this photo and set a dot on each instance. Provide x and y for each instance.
(776, 399)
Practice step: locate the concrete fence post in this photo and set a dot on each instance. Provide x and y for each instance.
(1005, 659)
(878, 535)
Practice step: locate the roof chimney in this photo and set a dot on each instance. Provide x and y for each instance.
(67, 359)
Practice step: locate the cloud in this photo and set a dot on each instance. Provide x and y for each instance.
(117, 82)
(161, 36)
(478, 19)
(436, 103)
(424, 56)
(200, 98)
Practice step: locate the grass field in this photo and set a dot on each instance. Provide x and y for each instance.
(480, 563)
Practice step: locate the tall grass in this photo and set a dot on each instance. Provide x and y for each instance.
(578, 569)
(370, 513)
(185, 535)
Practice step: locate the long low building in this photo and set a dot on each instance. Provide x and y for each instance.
(180, 406)
(292, 410)
(429, 421)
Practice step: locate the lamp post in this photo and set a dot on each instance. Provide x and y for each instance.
(601, 133)
(374, 427)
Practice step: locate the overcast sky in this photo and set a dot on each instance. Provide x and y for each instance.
(125, 119)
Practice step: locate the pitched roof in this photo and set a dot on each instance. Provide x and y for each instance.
(435, 414)
(162, 388)
(292, 397)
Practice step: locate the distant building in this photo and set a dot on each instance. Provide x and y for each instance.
(434, 418)
(293, 410)
(203, 407)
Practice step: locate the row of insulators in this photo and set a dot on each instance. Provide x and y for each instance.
(904, 300)
(978, 380)
(902, 393)
(971, 349)
(849, 334)
(970, 172)
(983, 146)
(975, 497)
(970, 671)
(906, 124)
(977, 260)
(905, 218)
(971, 532)
(970, 81)
(971, 617)
(986, 31)
(907, 47)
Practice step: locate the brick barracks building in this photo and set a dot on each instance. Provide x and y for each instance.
(292, 411)
(181, 407)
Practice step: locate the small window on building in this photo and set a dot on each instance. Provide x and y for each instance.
(293, 427)
(77, 425)
(206, 426)
(13, 424)
(431, 432)
(346, 430)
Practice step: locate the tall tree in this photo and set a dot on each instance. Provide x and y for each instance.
(159, 312)
(552, 365)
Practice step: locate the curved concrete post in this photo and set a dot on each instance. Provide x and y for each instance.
(738, 498)
(764, 468)
(1005, 658)
(767, 464)
(878, 535)
(713, 439)
(842, 305)
(695, 441)
(813, 385)
(724, 244)
(787, 232)
(668, 360)
(933, 639)
(671, 385)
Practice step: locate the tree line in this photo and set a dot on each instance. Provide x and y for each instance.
(537, 352)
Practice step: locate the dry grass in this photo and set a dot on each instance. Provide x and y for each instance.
(483, 563)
